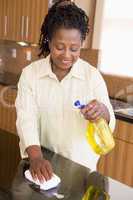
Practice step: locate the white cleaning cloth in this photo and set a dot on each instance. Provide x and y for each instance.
(46, 185)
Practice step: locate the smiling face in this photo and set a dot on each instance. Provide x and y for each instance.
(65, 48)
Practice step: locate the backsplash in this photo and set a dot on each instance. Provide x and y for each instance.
(14, 57)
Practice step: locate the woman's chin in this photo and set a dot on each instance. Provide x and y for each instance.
(65, 66)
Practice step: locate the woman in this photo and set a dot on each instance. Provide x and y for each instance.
(48, 89)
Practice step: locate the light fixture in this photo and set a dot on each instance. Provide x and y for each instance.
(23, 43)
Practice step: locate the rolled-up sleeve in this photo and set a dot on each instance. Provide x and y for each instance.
(27, 114)
(101, 94)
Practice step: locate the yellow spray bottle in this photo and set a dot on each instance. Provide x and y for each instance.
(98, 134)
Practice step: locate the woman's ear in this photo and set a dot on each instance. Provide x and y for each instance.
(82, 43)
(49, 44)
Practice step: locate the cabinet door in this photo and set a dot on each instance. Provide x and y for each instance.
(34, 12)
(17, 20)
(118, 164)
(10, 19)
(3, 19)
(124, 131)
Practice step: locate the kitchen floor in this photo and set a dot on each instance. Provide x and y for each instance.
(4, 195)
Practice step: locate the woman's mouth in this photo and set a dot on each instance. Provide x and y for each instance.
(66, 62)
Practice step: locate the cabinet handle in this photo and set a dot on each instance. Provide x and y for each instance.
(5, 29)
(27, 27)
(22, 27)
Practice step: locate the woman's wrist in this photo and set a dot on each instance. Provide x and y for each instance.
(34, 152)
(106, 114)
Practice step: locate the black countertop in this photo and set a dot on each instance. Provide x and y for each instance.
(119, 108)
(75, 179)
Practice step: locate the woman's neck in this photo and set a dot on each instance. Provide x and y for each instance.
(60, 73)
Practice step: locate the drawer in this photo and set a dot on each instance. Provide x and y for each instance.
(124, 131)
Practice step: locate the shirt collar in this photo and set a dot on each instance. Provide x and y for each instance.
(45, 68)
(77, 70)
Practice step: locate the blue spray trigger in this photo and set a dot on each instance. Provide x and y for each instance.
(78, 104)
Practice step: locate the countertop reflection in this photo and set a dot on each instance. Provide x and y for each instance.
(9, 79)
(118, 106)
(75, 179)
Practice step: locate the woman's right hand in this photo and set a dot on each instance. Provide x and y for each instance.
(40, 168)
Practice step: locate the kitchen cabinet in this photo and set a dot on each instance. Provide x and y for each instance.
(21, 20)
(7, 16)
(32, 15)
(3, 18)
(118, 164)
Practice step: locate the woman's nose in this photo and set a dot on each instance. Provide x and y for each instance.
(67, 54)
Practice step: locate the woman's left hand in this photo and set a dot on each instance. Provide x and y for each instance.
(94, 110)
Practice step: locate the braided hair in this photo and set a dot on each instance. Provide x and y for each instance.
(63, 14)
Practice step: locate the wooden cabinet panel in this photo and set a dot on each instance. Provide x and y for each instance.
(118, 164)
(9, 19)
(124, 131)
(90, 55)
(12, 19)
(16, 24)
(3, 19)
(34, 15)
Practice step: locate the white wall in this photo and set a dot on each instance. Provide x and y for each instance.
(88, 6)
(97, 24)
(84, 4)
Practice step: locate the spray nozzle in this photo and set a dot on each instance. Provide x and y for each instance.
(77, 104)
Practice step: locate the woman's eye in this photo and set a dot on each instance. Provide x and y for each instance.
(59, 48)
(74, 50)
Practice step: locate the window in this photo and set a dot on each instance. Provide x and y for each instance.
(116, 41)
